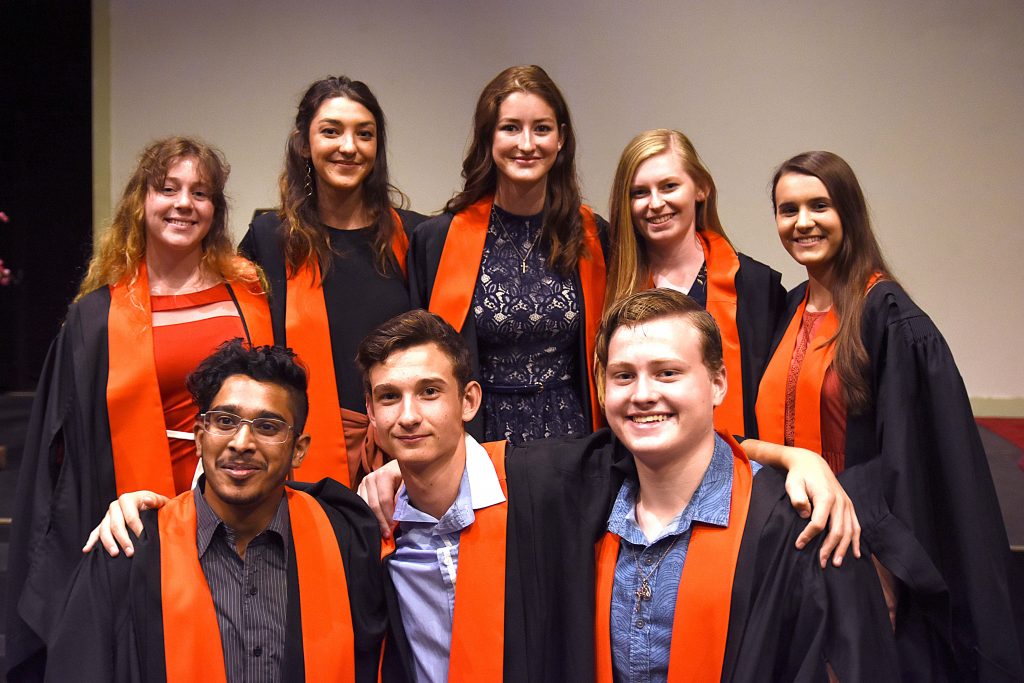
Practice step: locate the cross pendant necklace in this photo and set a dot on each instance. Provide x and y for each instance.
(521, 255)
(644, 592)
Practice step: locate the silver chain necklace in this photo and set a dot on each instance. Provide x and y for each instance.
(644, 592)
(522, 257)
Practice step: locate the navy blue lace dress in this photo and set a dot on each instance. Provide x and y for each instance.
(527, 321)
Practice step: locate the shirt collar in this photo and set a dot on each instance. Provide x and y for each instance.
(478, 489)
(709, 503)
(207, 521)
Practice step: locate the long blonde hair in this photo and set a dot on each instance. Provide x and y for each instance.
(628, 262)
(122, 246)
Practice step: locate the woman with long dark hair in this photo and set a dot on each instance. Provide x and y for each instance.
(334, 254)
(861, 375)
(111, 414)
(515, 263)
(665, 232)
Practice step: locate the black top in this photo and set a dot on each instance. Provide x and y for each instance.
(358, 297)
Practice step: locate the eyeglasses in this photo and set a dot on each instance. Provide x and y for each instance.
(266, 429)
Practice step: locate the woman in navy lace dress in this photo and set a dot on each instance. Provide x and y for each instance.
(515, 263)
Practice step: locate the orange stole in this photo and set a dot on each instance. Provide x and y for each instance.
(771, 397)
(308, 334)
(141, 454)
(192, 644)
(478, 626)
(723, 264)
(459, 269)
(701, 621)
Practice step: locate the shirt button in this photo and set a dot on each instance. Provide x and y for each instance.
(640, 623)
(648, 560)
(252, 590)
(257, 651)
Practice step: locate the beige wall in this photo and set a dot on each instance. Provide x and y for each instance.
(923, 98)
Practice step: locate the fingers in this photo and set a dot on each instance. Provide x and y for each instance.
(855, 523)
(90, 543)
(797, 491)
(108, 535)
(368, 491)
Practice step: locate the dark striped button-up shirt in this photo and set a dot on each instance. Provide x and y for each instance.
(250, 594)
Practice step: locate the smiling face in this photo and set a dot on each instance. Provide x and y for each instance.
(179, 212)
(809, 225)
(417, 407)
(342, 144)
(527, 139)
(663, 201)
(659, 395)
(242, 472)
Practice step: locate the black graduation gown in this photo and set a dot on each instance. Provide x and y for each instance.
(65, 482)
(918, 474)
(787, 614)
(112, 628)
(760, 302)
(424, 258)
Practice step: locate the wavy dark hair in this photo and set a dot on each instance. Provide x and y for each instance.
(859, 257)
(628, 262)
(272, 364)
(307, 240)
(562, 233)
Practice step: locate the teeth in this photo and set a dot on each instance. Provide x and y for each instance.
(658, 220)
(182, 223)
(643, 419)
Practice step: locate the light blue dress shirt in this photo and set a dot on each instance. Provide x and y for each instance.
(426, 560)
(641, 630)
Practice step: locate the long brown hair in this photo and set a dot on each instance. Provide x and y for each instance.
(122, 246)
(307, 240)
(859, 257)
(629, 263)
(562, 233)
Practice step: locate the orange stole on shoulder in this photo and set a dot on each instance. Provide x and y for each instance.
(138, 431)
(478, 626)
(771, 397)
(722, 266)
(308, 333)
(459, 269)
(192, 643)
(701, 621)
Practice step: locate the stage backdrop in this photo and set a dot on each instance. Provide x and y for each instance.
(924, 99)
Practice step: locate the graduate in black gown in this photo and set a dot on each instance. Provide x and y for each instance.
(861, 375)
(335, 256)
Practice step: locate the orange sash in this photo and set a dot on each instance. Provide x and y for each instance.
(459, 268)
(701, 621)
(192, 643)
(308, 334)
(771, 397)
(478, 627)
(138, 439)
(723, 264)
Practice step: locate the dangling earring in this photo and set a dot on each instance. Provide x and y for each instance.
(309, 179)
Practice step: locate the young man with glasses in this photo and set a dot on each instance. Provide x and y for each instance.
(242, 578)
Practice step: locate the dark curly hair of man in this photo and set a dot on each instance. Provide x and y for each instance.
(273, 364)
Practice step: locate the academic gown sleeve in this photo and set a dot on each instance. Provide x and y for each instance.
(65, 481)
(919, 476)
(559, 493)
(95, 640)
(789, 616)
(264, 245)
